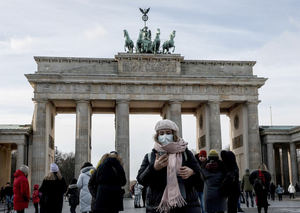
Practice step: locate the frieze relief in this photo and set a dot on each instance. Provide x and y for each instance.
(145, 89)
(148, 66)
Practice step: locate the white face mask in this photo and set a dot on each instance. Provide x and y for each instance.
(165, 139)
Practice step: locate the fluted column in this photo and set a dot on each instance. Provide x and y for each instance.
(271, 160)
(122, 136)
(20, 155)
(215, 141)
(83, 134)
(277, 166)
(294, 163)
(285, 167)
(40, 142)
(253, 136)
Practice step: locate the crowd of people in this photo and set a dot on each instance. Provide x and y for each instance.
(171, 179)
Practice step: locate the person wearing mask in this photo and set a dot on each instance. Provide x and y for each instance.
(36, 197)
(291, 191)
(82, 184)
(201, 158)
(170, 172)
(21, 189)
(247, 188)
(109, 179)
(73, 195)
(231, 180)
(213, 175)
(53, 188)
(260, 180)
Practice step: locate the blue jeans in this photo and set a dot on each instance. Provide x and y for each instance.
(9, 201)
(200, 194)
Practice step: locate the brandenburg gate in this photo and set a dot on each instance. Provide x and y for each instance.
(164, 84)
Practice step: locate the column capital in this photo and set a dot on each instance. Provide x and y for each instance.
(175, 101)
(213, 102)
(248, 102)
(40, 100)
(122, 101)
(82, 101)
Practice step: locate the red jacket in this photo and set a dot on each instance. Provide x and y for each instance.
(35, 194)
(21, 191)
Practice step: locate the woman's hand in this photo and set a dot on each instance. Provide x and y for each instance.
(160, 161)
(185, 172)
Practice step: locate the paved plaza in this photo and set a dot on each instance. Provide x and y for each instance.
(285, 206)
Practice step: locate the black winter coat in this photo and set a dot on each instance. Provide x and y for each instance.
(73, 195)
(52, 195)
(156, 181)
(110, 177)
(261, 186)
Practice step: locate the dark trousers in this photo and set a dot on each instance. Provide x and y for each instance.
(36, 207)
(292, 195)
(265, 209)
(20, 211)
(279, 196)
(232, 203)
(249, 194)
(73, 208)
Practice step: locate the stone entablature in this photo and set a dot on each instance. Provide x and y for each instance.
(280, 134)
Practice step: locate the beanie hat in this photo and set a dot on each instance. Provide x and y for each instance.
(166, 124)
(54, 167)
(86, 164)
(202, 153)
(213, 153)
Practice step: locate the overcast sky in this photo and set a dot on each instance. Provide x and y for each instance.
(264, 31)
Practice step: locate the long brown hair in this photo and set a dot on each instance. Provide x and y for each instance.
(53, 176)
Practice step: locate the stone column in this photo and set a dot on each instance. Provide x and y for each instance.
(122, 136)
(285, 167)
(294, 163)
(277, 166)
(175, 114)
(172, 111)
(83, 134)
(271, 160)
(40, 142)
(20, 155)
(215, 141)
(253, 136)
(245, 136)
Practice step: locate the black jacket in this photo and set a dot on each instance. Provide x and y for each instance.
(200, 184)
(156, 181)
(110, 177)
(73, 195)
(52, 195)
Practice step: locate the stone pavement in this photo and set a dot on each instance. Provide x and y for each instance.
(285, 206)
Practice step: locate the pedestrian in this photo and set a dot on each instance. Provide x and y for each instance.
(170, 172)
(110, 177)
(73, 195)
(279, 191)
(8, 193)
(21, 189)
(201, 158)
(247, 188)
(2, 197)
(231, 185)
(260, 180)
(213, 175)
(137, 195)
(82, 184)
(272, 190)
(53, 188)
(36, 197)
(291, 191)
(92, 185)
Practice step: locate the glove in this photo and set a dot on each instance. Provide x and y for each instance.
(25, 198)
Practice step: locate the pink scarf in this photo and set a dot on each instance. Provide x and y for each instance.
(172, 197)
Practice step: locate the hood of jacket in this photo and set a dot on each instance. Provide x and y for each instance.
(86, 170)
(18, 173)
